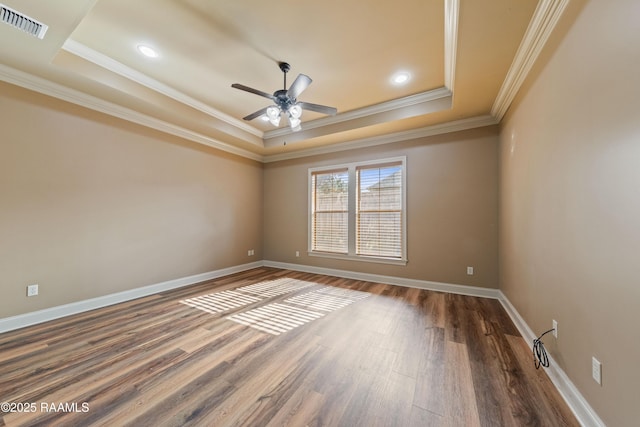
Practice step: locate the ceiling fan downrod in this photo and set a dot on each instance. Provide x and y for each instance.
(284, 67)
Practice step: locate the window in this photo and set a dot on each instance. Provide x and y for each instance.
(357, 211)
(330, 211)
(379, 211)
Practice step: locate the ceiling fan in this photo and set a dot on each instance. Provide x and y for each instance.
(286, 101)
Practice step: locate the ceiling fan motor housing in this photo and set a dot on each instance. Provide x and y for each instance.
(283, 100)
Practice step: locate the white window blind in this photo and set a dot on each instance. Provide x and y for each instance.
(379, 210)
(357, 211)
(330, 211)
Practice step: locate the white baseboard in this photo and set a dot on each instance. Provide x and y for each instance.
(391, 280)
(28, 319)
(40, 316)
(577, 403)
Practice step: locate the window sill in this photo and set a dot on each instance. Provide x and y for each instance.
(377, 260)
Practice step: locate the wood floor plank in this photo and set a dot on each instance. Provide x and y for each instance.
(396, 357)
(423, 418)
(397, 400)
(428, 394)
(462, 409)
(276, 396)
(410, 355)
(485, 357)
(346, 362)
(305, 413)
(7, 354)
(258, 388)
(455, 318)
(366, 402)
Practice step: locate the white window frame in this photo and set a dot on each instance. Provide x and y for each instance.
(352, 190)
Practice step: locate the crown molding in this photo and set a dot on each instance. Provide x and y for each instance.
(420, 99)
(454, 126)
(119, 68)
(46, 87)
(544, 20)
(359, 113)
(451, 13)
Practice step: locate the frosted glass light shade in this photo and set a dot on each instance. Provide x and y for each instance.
(294, 122)
(273, 113)
(295, 111)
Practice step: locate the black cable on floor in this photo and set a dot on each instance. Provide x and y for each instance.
(539, 353)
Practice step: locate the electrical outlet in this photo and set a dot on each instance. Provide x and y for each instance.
(32, 290)
(469, 271)
(555, 328)
(251, 252)
(596, 370)
(297, 253)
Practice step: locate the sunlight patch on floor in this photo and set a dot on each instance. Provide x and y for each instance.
(275, 318)
(220, 301)
(272, 288)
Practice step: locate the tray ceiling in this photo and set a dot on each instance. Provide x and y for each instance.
(465, 59)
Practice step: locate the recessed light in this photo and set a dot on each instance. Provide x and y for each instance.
(147, 51)
(400, 78)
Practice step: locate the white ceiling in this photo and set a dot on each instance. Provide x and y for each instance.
(466, 59)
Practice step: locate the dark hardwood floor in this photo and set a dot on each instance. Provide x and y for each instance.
(271, 347)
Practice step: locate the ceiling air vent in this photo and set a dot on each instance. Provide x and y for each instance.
(22, 22)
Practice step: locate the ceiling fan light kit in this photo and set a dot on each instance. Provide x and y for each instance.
(286, 101)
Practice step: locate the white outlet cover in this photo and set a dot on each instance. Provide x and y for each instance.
(32, 290)
(596, 370)
(555, 328)
(470, 271)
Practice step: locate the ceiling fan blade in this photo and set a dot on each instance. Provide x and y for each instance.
(256, 114)
(252, 90)
(299, 84)
(331, 111)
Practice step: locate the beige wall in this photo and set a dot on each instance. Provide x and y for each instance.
(91, 205)
(570, 204)
(451, 208)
